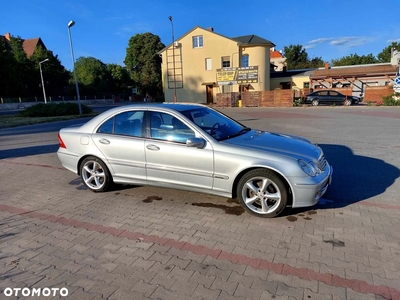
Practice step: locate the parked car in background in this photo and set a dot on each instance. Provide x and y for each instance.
(330, 97)
(196, 148)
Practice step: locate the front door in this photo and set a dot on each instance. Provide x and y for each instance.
(169, 160)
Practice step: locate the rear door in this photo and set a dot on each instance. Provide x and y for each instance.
(121, 141)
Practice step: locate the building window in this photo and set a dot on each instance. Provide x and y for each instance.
(198, 41)
(225, 61)
(208, 64)
(306, 85)
(245, 60)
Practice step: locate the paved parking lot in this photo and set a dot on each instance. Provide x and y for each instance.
(153, 243)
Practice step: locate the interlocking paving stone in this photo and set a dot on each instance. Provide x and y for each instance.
(52, 232)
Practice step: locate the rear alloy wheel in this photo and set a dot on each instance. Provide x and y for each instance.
(315, 102)
(262, 193)
(347, 102)
(95, 174)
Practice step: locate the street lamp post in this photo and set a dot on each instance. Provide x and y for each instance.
(173, 55)
(70, 24)
(41, 76)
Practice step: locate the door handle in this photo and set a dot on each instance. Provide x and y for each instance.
(153, 147)
(104, 141)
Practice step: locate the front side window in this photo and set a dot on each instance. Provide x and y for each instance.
(225, 61)
(198, 41)
(166, 127)
(215, 124)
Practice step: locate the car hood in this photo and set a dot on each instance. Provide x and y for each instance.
(278, 143)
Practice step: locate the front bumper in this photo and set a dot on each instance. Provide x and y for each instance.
(308, 194)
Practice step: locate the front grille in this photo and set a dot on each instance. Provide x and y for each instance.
(322, 162)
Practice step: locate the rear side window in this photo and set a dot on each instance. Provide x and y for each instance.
(127, 123)
(107, 127)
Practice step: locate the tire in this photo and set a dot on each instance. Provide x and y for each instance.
(347, 102)
(315, 102)
(95, 174)
(262, 193)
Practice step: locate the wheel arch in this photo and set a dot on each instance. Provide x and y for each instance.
(284, 180)
(91, 155)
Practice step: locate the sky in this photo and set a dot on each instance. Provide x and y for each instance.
(329, 29)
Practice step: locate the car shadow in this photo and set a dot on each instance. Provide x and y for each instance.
(42, 127)
(355, 178)
(27, 151)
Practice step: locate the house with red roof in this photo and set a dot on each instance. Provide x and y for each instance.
(29, 45)
(277, 59)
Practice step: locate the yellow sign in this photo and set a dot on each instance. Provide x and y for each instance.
(226, 75)
(244, 75)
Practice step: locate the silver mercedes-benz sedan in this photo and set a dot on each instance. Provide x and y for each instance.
(196, 148)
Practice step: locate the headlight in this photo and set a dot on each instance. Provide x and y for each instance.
(309, 168)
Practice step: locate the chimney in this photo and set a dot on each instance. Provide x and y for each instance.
(210, 29)
(326, 65)
(7, 36)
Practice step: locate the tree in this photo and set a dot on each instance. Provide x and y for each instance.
(120, 79)
(297, 58)
(355, 59)
(7, 73)
(143, 62)
(55, 76)
(386, 54)
(23, 69)
(92, 75)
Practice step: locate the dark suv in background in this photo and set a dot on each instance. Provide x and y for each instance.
(330, 97)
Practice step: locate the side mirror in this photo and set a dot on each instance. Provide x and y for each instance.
(195, 142)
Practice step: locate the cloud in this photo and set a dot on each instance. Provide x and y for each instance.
(320, 40)
(393, 41)
(309, 46)
(346, 41)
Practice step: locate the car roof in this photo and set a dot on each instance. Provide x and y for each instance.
(181, 106)
(164, 106)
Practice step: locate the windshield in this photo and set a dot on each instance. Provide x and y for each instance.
(215, 123)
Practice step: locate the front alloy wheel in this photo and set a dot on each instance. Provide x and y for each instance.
(262, 193)
(95, 175)
(347, 102)
(315, 102)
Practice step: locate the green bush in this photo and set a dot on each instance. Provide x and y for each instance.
(55, 110)
(392, 100)
(296, 102)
